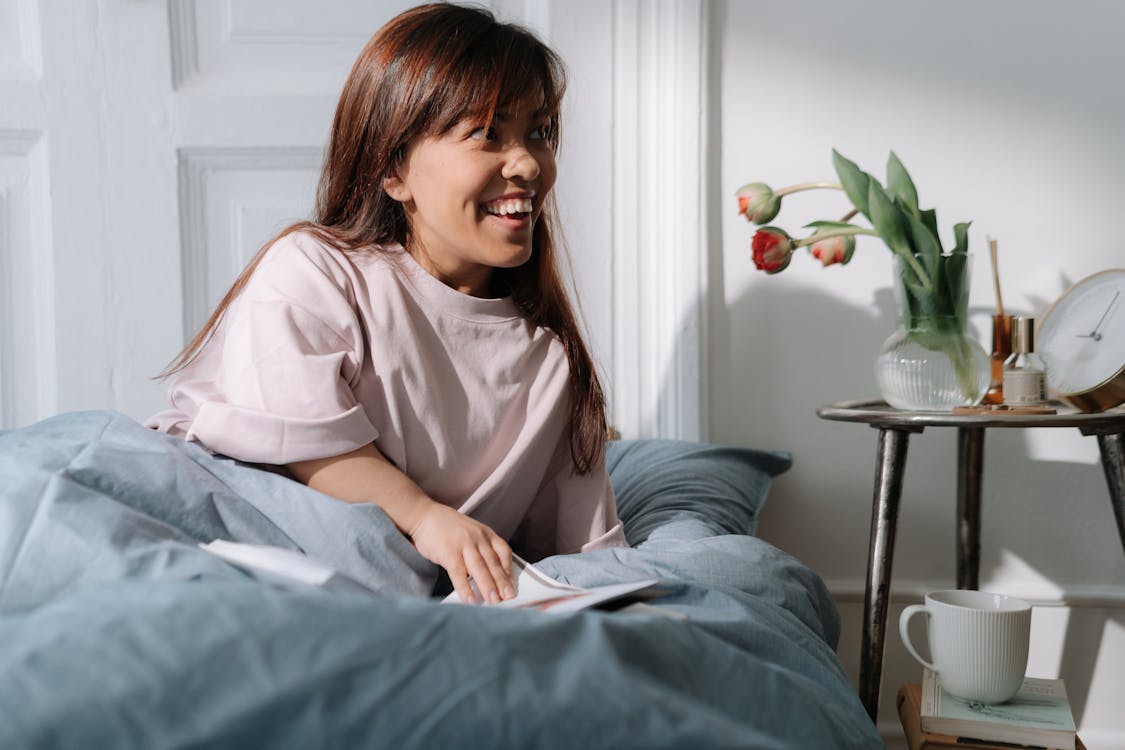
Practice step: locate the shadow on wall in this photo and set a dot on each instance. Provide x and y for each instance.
(777, 353)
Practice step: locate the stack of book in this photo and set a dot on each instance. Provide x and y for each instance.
(1038, 717)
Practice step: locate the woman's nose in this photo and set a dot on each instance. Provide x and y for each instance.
(519, 163)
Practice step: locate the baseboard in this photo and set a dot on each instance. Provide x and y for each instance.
(850, 591)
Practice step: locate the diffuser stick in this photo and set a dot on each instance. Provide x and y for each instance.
(1001, 337)
(996, 276)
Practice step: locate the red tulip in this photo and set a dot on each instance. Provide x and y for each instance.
(772, 249)
(757, 202)
(833, 250)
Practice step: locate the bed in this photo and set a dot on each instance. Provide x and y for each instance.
(118, 630)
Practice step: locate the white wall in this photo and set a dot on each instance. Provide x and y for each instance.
(1006, 113)
(146, 149)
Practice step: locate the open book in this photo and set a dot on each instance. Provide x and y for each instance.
(536, 590)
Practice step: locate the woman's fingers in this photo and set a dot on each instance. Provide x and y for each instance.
(487, 571)
(504, 552)
(484, 567)
(500, 577)
(459, 577)
(472, 554)
(502, 567)
(481, 575)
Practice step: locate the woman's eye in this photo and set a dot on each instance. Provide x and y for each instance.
(484, 133)
(541, 133)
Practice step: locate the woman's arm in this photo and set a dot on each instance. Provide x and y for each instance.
(463, 546)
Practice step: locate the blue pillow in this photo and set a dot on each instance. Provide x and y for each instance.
(658, 481)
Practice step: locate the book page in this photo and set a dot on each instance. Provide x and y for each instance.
(536, 590)
(286, 563)
(282, 566)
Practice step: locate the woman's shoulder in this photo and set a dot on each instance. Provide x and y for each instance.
(302, 267)
(301, 247)
(308, 247)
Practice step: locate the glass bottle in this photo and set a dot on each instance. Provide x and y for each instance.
(1001, 348)
(1025, 374)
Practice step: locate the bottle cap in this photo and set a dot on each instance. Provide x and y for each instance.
(1023, 335)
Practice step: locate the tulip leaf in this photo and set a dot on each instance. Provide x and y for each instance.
(900, 185)
(854, 181)
(838, 227)
(951, 290)
(959, 291)
(961, 237)
(926, 243)
(929, 218)
(888, 220)
(908, 216)
(915, 288)
(916, 299)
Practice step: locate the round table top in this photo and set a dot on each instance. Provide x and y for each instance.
(879, 414)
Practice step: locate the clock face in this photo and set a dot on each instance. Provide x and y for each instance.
(1082, 336)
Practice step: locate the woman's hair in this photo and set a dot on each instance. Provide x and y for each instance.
(426, 70)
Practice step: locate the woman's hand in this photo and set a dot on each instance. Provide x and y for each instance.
(463, 546)
(466, 548)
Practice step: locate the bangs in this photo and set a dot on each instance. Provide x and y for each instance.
(503, 69)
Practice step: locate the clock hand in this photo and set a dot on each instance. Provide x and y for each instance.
(1094, 333)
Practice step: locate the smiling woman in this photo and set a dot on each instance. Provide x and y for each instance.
(413, 347)
(472, 195)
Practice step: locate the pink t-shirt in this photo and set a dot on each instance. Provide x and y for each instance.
(325, 351)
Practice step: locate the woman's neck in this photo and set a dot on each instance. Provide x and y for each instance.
(475, 281)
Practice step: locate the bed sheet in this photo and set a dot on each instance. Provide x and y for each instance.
(118, 631)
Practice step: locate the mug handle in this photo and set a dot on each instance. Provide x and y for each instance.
(903, 621)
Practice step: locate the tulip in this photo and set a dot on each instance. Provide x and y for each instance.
(833, 250)
(772, 249)
(757, 202)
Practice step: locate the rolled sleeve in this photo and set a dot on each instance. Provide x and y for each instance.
(587, 512)
(290, 357)
(260, 437)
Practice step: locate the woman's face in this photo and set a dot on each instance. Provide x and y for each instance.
(472, 195)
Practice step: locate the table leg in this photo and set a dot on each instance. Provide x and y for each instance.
(970, 459)
(891, 460)
(1112, 446)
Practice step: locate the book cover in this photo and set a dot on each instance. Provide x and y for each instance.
(910, 714)
(1038, 715)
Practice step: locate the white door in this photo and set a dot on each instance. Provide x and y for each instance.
(148, 149)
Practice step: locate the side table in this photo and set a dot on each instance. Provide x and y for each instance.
(895, 427)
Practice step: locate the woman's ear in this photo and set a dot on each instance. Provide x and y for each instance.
(394, 186)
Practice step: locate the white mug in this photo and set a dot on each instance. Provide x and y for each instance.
(978, 642)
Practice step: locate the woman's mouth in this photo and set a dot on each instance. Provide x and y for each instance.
(513, 212)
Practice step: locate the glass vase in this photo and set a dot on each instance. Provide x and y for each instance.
(931, 362)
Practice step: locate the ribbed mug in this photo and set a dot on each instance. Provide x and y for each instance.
(978, 642)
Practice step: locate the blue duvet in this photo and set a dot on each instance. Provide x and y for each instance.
(116, 630)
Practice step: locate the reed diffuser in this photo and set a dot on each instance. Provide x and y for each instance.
(1001, 335)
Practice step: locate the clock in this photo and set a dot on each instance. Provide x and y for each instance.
(1082, 342)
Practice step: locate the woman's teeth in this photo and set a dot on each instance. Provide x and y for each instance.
(508, 206)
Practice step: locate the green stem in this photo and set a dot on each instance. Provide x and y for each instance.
(923, 277)
(808, 186)
(830, 233)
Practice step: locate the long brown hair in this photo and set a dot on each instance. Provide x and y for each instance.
(426, 70)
